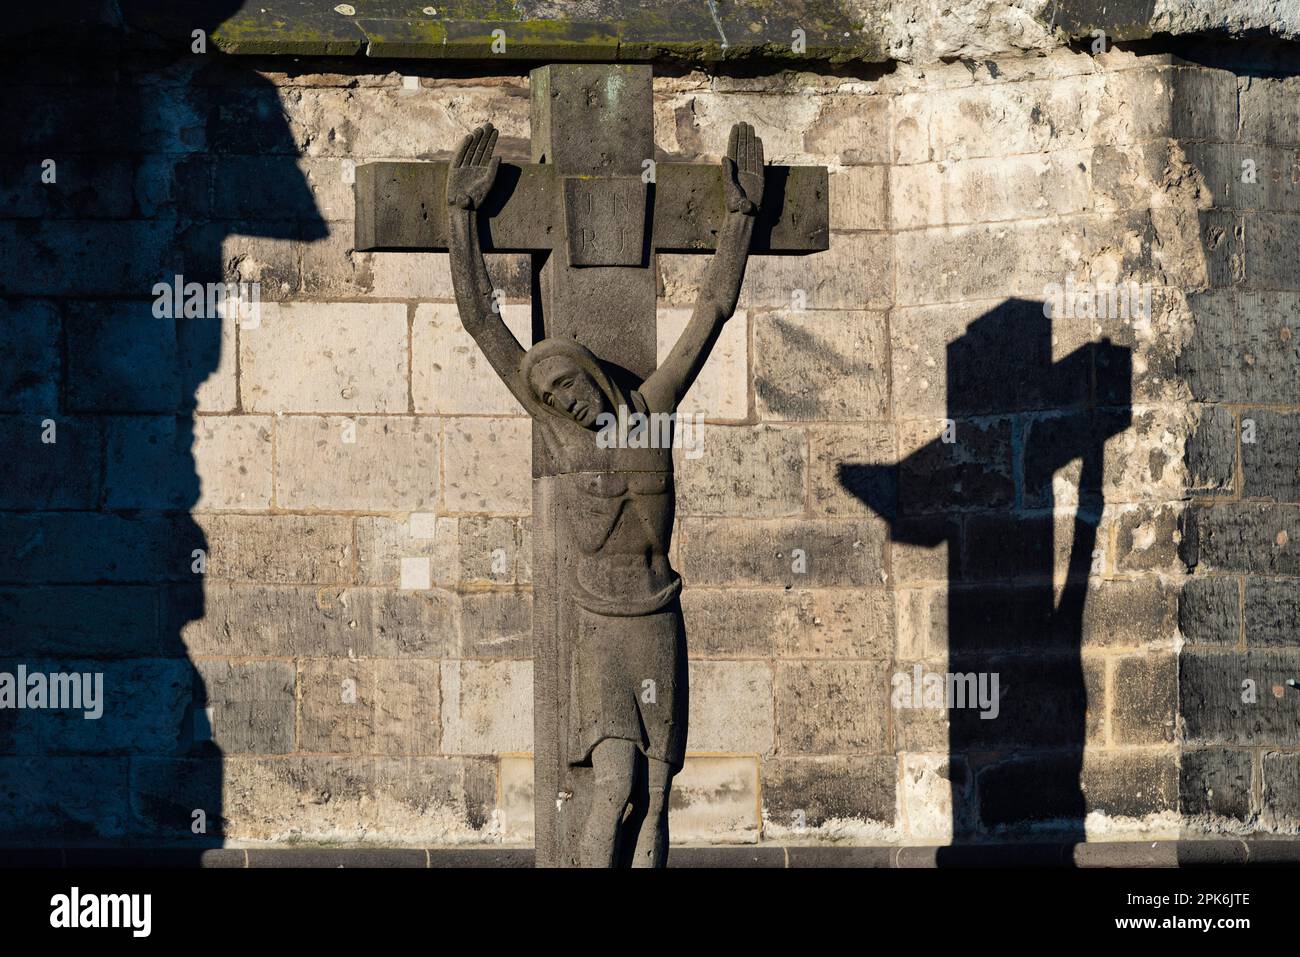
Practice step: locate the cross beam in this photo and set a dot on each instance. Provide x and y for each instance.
(399, 208)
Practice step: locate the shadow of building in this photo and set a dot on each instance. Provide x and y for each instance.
(122, 170)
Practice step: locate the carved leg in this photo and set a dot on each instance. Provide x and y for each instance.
(614, 764)
(652, 842)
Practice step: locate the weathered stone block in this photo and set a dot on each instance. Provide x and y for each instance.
(988, 190)
(496, 624)
(516, 803)
(756, 471)
(380, 705)
(925, 800)
(996, 120)
(1138, 613)
(250, 706)
(722, 389)
(1131, 784)
(731, 707)
(325, 357)
(854, 273)
(849, 130)
(782, 552)
(1147, 538)
(487, 465)
(269, 549)
(1211, 454)
(959, 263)
(1238, 698)
(715, 800)
(1272, 610)
(1281, 785)
(824, 707)
(1270, 113)
(1270, 463)
(1248, 175)
(821, 366)
(387, 463)
(53, 461)
(842, 480)
(490, 550)
(1246, 537)
(414, 624)
(810, 792)
(1215, 782)
(859, 198)
(814, 623)
(487, 706)
(783, 126)
(1144, 699)
(1242, 354)
(1271, 243)
(449, 373)
(1209, 611)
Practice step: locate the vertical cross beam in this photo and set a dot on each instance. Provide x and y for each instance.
(594, 125)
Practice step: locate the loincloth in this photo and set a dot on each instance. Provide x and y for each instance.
(628, 680)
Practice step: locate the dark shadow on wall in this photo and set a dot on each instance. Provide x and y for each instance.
(98, 545)
(1017, 417)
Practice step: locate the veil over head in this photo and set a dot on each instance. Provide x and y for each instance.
(583, 358)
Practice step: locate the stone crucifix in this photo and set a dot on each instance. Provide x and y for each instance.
(610, 686)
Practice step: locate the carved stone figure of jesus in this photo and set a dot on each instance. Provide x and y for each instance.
(628, 684)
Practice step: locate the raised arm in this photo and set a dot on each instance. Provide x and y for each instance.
(469, 179)
(743, 191)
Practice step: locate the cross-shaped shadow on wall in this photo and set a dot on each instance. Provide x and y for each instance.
(1017, 569)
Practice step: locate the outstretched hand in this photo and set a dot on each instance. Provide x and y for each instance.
(473, 170)
(743, 171)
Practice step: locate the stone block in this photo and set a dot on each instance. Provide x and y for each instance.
(487, 465)
(449, 373)
(782, 552)
(821, 365)
(731, 707)
(487, 706)
(325, 357)
(249, 706)
(370, 463)
(756, 471)
(828, 707)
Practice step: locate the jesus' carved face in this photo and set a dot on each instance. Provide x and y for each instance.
(566, 387)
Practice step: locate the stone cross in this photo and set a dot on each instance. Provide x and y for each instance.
(593, 208)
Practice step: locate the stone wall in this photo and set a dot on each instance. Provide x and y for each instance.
(1238, 612)
(298, 548)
